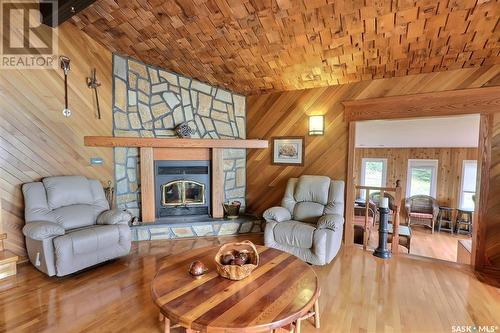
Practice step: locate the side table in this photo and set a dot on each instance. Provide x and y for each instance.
(445, 219)
(464, 218)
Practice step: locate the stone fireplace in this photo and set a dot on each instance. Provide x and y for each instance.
(148, 103)
(182, 188)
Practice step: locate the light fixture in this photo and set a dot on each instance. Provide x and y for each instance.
(316, 125)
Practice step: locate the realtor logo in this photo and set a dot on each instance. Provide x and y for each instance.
(26, 42)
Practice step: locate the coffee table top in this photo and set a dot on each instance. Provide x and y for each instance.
(282, 289)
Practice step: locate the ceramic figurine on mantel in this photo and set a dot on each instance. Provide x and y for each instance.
(183, 130)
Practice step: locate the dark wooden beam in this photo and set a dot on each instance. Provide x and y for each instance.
(54, 17)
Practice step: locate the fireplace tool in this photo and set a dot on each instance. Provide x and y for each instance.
(65, 67)
(92, 83)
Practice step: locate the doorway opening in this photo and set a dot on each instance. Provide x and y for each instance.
(435, 161)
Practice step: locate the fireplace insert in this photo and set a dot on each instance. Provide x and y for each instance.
(182, 188)
(182, 192)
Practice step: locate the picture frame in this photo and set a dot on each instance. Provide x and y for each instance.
(288, 150)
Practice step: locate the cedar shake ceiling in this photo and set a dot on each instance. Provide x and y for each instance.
(256, 46)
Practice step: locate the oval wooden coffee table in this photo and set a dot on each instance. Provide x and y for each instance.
(279, 293)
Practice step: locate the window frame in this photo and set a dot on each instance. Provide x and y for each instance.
(461, 195)
(374, 159)
(423, 163)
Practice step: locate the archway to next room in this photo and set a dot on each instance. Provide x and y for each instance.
(420, 171)
(435, 161)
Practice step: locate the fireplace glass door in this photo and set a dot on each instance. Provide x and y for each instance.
(183, 192)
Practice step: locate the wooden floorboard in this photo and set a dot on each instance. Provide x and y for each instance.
(360, 293)
(440, 245)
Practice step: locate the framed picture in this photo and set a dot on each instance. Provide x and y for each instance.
(288, 150)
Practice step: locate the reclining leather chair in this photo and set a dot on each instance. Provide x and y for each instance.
(310, 221)
(69, 226)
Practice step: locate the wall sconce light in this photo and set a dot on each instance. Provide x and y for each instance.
(317, 125)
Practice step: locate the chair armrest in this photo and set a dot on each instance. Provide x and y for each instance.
(330, 221)
(435, 210)
(278, 214)
(408, 208)
(40, 230)
(114, 216)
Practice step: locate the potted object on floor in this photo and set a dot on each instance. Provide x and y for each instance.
(232, 209)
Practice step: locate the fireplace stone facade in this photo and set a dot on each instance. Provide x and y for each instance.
(151, 102)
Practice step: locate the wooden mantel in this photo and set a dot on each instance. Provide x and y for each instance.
(111, 141)
(152, 149)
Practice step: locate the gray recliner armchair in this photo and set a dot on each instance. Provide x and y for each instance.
(310, 221)
(69, 226)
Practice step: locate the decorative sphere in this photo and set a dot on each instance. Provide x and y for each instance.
(197, 268)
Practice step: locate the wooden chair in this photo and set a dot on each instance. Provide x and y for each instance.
(294, 327)
(375, 198)
(359, 221)
(8, 260)
(421, 210)
(313, 313)
(367, 221)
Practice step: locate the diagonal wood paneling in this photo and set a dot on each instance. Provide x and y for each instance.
(285, 113)
(36, 140)
(253, 46)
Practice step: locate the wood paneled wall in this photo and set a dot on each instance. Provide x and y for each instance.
(36, 140)
(449, 167)
(488, 258)
(285, 113)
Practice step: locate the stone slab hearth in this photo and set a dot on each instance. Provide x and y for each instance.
(185, 229)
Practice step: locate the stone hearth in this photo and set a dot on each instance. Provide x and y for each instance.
(185, 229)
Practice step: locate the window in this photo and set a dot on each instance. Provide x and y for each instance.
(422, 177)
(468, 188)
(373, 173)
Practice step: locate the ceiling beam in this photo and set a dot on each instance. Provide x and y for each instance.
(444, 103)
(54, 17)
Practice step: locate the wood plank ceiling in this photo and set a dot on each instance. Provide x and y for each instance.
(255, 46)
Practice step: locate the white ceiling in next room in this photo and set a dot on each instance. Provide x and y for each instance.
(457, 131)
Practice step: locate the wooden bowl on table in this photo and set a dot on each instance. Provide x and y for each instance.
(237, 272)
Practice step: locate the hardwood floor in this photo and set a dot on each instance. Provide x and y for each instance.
(440, 245)
(360, 293)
